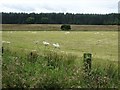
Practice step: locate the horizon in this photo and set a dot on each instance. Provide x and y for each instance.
(61, 13)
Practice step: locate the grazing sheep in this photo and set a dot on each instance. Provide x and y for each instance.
(56, 45)
(7, 42)
(96, 33)
(67, 32)
(46, 43)
(3, 42)
(34, 32)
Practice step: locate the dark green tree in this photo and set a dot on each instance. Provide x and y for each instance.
(44, 20)
(30, 20)
(61, 18)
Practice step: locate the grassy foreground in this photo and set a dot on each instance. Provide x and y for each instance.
(49, 67)
(55, 70)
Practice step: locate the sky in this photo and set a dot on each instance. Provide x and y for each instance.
(60, 6)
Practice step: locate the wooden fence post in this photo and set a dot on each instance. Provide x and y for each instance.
(87, 61)
(2, 49)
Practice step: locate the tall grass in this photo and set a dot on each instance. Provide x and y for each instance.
(54, 69)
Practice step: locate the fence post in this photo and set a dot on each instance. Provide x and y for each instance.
(87, 61)
(2, 49)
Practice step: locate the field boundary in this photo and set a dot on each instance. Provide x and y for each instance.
(56, 27)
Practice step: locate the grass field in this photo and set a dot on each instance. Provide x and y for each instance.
(102, 44)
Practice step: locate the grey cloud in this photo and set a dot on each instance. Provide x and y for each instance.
(54, 8)
(119, 7)
(75, 6)
(19, 7)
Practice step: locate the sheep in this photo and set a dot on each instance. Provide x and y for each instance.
(67, 32)
(46, 43)
(56, 45)
(7, 42)
(34, 32)
(3, 42)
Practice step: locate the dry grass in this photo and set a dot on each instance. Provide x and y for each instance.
(54, 27)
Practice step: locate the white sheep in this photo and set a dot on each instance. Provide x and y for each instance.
(46, 43)
(67, 32)
(7, 42)
(56, 45)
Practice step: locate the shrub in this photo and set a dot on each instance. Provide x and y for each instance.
(65, 27)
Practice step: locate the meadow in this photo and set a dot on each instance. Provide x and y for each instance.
(50, 67)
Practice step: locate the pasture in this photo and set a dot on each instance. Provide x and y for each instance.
(100, 44)
(103, 45)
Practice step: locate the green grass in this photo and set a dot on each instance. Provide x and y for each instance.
(60, 68)
(103, 45)
(52, 69)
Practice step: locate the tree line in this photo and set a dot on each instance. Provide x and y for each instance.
(60, 18)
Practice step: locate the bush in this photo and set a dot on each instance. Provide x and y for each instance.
(65, 27)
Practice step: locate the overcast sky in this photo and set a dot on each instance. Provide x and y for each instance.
(71, 6)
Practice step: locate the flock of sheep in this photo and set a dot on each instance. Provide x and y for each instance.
(55, 45)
